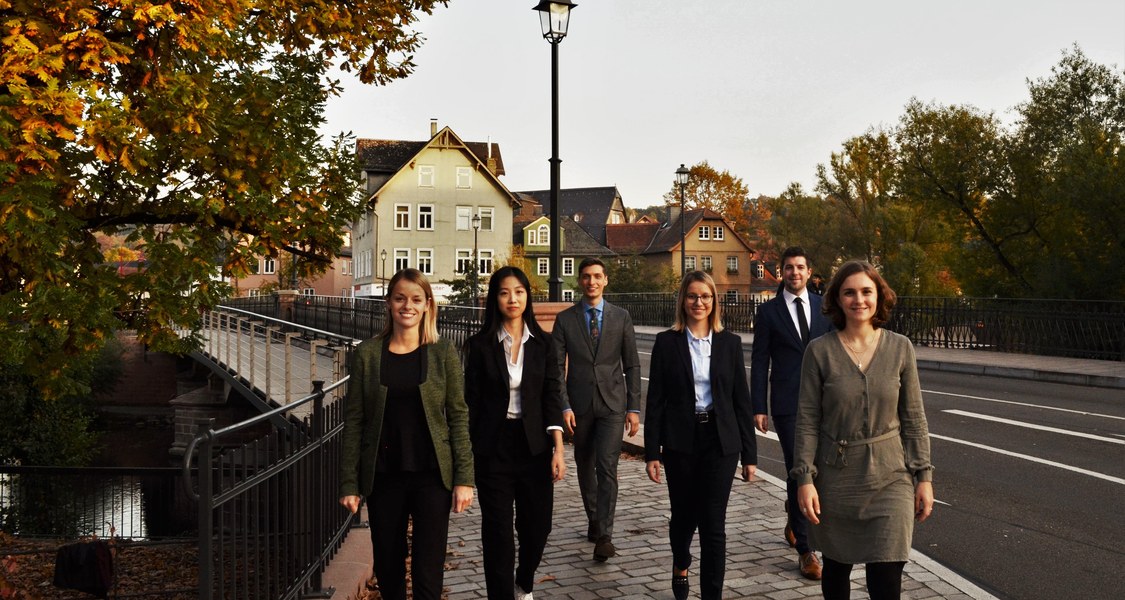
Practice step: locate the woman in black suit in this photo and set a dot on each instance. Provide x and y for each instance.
(698, 420)
(515, 423)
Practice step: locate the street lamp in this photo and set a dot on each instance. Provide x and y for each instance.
(383, 257)
(476, 259)
(554, 16)
(681, 178)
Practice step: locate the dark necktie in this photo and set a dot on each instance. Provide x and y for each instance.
(802, 321)
(594, 331)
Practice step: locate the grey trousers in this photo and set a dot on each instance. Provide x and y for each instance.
(597, 449)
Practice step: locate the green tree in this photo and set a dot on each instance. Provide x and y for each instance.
(799, 219)
(635, 275)
(191, 129)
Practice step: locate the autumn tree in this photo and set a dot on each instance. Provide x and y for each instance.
(191, 129)
(721, 192)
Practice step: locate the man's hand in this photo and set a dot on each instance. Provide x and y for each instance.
(568, 419)
(762, 423)
(632, 423)
(351, 503)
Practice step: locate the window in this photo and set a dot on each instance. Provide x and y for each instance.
(544, 235)
(402, 216)
(308, 292)
(705, 263)
(464, 261)
(254, 293)
(464, 215)
(426, 176)
(759, 270)
(689, 263)
(485, 257)
(717, 233)
(345, 266)
(255, 267)
(544, 267)
(464, 178)
(486, 218)
(704, 232)
(269, 266)
(402, 259)
(532, 237)
(426, 217)
(732, 264)
(425, 258)
(568, 295)
(568, 267)
(732, 296)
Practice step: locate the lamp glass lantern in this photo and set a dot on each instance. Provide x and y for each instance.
(554, 17)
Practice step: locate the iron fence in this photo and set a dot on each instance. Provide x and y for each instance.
(71, 502)
(659, 310)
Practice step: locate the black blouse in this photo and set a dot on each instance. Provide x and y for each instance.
(405, 443)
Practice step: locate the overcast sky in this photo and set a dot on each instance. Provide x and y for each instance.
(766, 89)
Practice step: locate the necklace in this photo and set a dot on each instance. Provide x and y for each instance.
(867, 347)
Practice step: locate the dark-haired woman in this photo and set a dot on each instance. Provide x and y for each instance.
(512, 389)
(862, 456)
(698, 422)
(406, 440)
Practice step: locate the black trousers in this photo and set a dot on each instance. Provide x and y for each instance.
(699, 484)
(513, 477)
(884, 580)
(786, 427)
(421, 498)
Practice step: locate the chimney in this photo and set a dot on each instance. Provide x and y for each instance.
(491, 161)
(433, 128)
(673, 213)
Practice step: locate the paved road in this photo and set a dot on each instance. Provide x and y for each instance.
(1030, 478)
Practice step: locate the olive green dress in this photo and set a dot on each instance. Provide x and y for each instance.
(861, 438)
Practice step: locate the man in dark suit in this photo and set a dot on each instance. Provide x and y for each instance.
(782, 329)
(602, 395)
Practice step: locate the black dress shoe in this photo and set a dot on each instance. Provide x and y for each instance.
(680, 587)
(604, 550)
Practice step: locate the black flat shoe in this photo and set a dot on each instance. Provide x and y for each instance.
(680, 587)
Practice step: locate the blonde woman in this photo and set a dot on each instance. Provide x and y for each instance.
(406, 440)
(698, 421)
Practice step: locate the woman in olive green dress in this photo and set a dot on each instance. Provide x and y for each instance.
(862, 461)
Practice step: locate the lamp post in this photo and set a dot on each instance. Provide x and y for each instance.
(554, 16)
(681, 178)
(476, 260)
(383, 257)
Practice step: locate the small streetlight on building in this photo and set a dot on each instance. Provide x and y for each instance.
(383, 257)
(476, 260)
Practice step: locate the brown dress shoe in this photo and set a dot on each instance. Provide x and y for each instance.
(604, 550)
(790, 536)
(810, 565)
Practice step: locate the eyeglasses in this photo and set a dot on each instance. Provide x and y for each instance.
(706, 298)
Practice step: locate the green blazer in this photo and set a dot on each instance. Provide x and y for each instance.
(442, 399)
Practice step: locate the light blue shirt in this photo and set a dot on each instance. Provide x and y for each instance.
(700, 349)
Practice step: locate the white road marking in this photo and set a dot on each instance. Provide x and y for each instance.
(1089, 436)
(1041, 461)
(1077, 412)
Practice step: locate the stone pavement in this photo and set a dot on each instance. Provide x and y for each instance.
(760, 563)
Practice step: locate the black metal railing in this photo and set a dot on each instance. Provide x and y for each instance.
(70, 502)
(268, 517)
(659, 310)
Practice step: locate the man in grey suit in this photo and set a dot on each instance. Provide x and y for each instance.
(782, 329)
(602, 395)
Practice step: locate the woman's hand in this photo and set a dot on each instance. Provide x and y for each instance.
(462, 498)
(558, 465)
(652, 467)
(923, 500)
(809, 502)
(351, 503)
(748, 472)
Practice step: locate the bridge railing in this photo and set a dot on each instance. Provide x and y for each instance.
(268, 517)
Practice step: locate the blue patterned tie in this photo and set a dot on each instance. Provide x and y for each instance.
(594, 331)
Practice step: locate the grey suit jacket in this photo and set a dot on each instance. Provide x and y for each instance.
(613, 368)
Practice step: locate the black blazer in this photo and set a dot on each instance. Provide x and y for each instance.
(486, 392)
(670, 408)
(775, 364)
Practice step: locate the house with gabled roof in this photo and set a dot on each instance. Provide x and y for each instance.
(532, 231)
(712, 245)
(592, 208)
(430, 205)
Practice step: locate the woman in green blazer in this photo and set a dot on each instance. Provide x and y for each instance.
(406, 440)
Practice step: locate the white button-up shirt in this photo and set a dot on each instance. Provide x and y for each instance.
(515, 370)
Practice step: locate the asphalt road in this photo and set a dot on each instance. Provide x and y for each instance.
(1029, 479)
